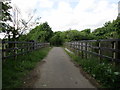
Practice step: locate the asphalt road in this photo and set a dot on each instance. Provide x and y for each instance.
(59, 72)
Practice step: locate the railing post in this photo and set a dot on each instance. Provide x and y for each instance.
(82, 49)
(74, 46)
(115, 54)
(71, 45)
(3, 49)
(16, 51)
(28, 45)
(99, 50)
(86, 50)
(78, 48)
(118, 47)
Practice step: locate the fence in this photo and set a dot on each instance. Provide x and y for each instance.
(109, 49)
(15, 48)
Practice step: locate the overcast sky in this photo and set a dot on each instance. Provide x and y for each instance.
(62, 15)
(65, 14)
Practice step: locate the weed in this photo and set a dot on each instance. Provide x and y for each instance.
(14, 70)
(105, 73)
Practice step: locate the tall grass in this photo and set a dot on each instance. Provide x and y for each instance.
(14, 70)
(104, 72)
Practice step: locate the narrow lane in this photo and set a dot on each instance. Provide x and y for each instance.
(59, 72)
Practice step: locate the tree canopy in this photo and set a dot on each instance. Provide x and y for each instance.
(41, 33)
(44, 33)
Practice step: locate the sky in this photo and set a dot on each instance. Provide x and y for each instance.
(63, 15)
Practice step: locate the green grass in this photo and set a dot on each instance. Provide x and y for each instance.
(13, 71)
(105, 73)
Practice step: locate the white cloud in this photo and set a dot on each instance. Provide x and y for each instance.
(45, 4)
(26, 7)
(61, 15)
(87, 14)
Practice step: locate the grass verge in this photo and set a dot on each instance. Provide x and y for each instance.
(14, 70)
(105, 73)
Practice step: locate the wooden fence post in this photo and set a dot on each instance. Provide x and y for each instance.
(99, 50)
(82, 50)
(86, 50)
(3, 48)
(118, 47)
(78, 48)
(115, 54)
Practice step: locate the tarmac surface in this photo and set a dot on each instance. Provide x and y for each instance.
(59, 72)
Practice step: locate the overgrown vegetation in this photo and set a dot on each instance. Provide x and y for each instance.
(104, 72)
(14, 70)
(41, 33)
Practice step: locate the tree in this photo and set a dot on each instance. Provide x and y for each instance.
(110, 30)
(5, 17)
(117, 26)
(41, 33)
(57, 39)
(86, 31)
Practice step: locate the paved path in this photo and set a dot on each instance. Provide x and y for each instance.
(59, 72)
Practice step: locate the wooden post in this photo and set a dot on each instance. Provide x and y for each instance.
(28, 45)
(37, 46)
(82, 50)
(115, 54)
(3, 50)
(78, 48)
(71, 48)
(74, 47)
(91, 49)
(86, 50)
(99, 50)
(23, 48)
(32, 46)
(118, 47)
(16, 51)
